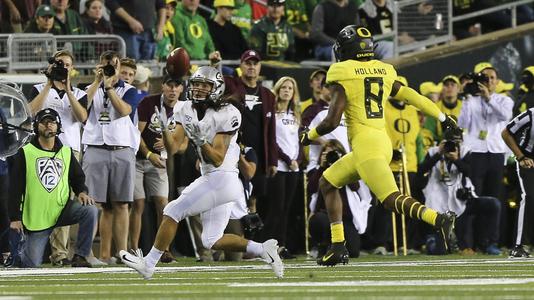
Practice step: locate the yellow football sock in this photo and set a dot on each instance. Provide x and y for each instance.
(429, 216)
(338, 235)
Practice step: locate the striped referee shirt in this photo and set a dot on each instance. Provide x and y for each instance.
(522, 130)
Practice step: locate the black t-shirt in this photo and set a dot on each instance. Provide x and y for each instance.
(252, 123)
(228, 39)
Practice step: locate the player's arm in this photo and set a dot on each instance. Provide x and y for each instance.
(176, 141)
(403, 93)
(335, 112)
(216, 151)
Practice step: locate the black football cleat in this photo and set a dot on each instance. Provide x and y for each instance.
(336, 254)
(445, 226)
(518, 252)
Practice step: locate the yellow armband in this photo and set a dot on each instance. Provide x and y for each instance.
(313, 134)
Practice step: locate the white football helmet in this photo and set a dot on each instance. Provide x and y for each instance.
(209, 75)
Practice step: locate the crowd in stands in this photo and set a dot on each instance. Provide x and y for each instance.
(280, 30)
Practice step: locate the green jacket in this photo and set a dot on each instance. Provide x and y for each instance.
(242, 17)
(274, 42)
(191, 33)
(73, 24)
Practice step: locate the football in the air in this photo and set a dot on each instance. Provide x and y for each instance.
(178, 62)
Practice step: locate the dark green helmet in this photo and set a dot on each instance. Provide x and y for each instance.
(354, 42)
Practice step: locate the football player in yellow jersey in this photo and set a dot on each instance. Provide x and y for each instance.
(359, 85)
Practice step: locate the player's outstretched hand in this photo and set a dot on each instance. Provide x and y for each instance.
(449, 125)
(195, 134)
(304, 137)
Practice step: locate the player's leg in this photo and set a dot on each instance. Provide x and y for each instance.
(335, 177)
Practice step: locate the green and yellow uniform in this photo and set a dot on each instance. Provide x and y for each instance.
(191, 32)
(367, 85)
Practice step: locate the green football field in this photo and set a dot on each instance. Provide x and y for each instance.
(369, 277)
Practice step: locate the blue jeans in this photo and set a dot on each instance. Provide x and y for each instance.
(34, 243)
(138, 46)
(323, 52)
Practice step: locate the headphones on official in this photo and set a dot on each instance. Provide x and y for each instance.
(47, 112)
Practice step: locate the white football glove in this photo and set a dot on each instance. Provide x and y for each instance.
(162, 118)
(195, 134)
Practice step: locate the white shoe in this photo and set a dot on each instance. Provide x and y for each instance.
(270, 256)
(137, 262)
(95, 261)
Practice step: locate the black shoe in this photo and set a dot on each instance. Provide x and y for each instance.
(337, 253)
(62, 262)
(519, 252)
(79, 261)
(445, 226)
(285, 254)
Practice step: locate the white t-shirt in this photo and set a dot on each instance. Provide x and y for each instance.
(226, 119)
(70, 127)
(287, 137)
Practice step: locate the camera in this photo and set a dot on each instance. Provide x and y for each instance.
(450, 146)
(332, 156)
(472, 87)
(108, 69)
(58, 72)
(252, 224)
(465, 194)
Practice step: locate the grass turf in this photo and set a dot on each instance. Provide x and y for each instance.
(375, 277)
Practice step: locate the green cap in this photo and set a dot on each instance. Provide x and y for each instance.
(45, 10)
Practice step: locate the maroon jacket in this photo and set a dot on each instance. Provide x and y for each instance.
(236, 88)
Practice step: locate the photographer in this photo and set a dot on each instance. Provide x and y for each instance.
(70, 103)
(109, 161)
(356, 199)
(446, 169)
(484, 114)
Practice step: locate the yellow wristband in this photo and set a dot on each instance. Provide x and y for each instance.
(313, 134)
(148, 154)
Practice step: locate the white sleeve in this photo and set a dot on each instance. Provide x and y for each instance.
(176, 112)
(230, 120)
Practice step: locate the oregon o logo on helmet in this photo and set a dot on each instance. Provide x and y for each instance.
(363, 32)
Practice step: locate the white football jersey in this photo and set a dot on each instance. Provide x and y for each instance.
(287, 137)
(226, 119)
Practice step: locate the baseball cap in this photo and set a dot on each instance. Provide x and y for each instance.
(451, 78)
(428, 87)
(529, 69)
(224, 3)
(142, 74)
(171, 2)
(47, 113)
(275, 2)
(169, 78)
(482, 66)
(503, 87)
(45, 10)
(250, 54)
(318, 71)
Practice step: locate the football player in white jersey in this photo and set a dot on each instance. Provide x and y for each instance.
(212, 125)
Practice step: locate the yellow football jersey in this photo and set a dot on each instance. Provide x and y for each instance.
(367, 85)
(402, 126)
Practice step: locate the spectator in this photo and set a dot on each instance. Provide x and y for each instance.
(430, 90)
(70, 103)
(447, 168)
(226, 36)
(40, 196)
(272, 36)
(356, 200)
(141, 81)
(466, 28)
(127, 73)
(483, 116)
(377, 16)
(329, 17)
(83, 9)
(43, 21)
(525, 96)
(448, 104)
(191, 31)
(316, 82)
(259, 122)
(17, 14)
(283, 185)
(298, 18)
(93, 17)
(517, 135)
(134, 22)
(151, 175)
(109, 161)
(67, 21)
(166, 44)
(242, 17)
